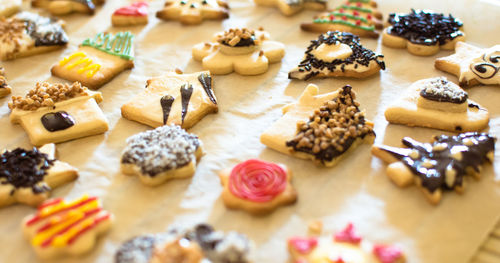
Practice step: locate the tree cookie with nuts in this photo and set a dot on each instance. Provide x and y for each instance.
(440, 104)
(344, 246)
(97, 61)
(193, 12)
(472, 65)
(423, 32)
(9, 7)
(158, 155)
(28, 176)
(201, 243)
(52, 113)
(440, 165)
(244, 51)
(63, 228)
(173, 99)
(65, 7)
(258, 187)
(131, 15)
(28, 34)
(322, 128)
(359, 17)
(337, 54)
(5, 89)
(291, 7)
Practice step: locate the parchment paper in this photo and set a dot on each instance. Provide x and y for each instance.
(356, 190)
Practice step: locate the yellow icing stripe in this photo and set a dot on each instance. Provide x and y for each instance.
(60, 206)
(62, 240)
(86, 63)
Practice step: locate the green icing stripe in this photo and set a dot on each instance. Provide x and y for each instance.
(118, 45)
(357, 1)
(366, 10)
(326, 21)
(350, 16)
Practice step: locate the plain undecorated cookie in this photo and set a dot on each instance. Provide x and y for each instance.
(291, 7)
(193, 12)
(9, 7)
(65, 7)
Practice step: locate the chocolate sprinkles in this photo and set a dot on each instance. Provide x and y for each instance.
(186, 92)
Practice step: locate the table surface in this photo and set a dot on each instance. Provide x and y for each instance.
(356, 190)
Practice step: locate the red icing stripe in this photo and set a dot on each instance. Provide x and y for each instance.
(257, 181)
(49, 203)
(49, 224)
(303, 245)
(387, 254)
(349, 234)
(135, 9)
(37, 217)
(96, 222)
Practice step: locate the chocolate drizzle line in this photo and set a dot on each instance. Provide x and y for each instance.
(57, 121)
(206, 81)
(166, 105)
(360, 55)
(186, 93)
(25, 169)
(447, 156)
(425, 27)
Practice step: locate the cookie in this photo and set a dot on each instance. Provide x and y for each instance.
(52, 113)
(258, 187)
(174, 98)
(423, 32)
(472, 65)
(440, 104)
(62, 228)
(359, 17)
(161, 154)
(322, 128)
(28, 176)
(291, 7)
(97, 61)
(200, 243)
(438, 166)
(337, 54)
(9, 7)
(5, 89)
(65, 7)
(242, 50)
(193, 12)
(132, 15)
(344, 246)
(28, 34)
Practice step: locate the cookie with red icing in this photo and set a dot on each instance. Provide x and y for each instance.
(131, 15)
(343, 247)
(257, 186)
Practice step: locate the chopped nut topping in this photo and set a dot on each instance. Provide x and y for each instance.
(238, 37)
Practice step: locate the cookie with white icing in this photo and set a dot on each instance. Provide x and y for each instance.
(322, 128)
(291, 7)
(52, 113)
(193, 12)
(174, 99)
(337, 54)
(441, 165)
(5, 89)
(65, 7)
(98, 60)
(241, 50)
(131, 15)
(440, 104)
(472, 65)
(164, 153)
(28, 34)
(29, 176)
(9, 7)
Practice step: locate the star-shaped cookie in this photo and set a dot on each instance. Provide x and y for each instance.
(9, 7)
(64, 7)
(52, 113)
(192, 12)
(28, 176)
(320, 127)
(242, 50)
(440, 104)
(438, 166)
(174, 98)
(5, 89)
(337, 54)
(472, 65)
(290, 7)
(61, 228)
(97, 61)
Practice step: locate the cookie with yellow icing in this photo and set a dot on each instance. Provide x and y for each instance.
(52, 113)
(97, 61)
(65, 7)
(192, 12)
(291, 7)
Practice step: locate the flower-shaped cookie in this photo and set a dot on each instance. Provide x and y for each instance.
(192, 12)
(290, 7)
(64, 7)
(244, 51)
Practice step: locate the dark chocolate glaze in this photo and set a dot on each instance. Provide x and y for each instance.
(25, 169)
(433, 178)
(186, 93)
(360, 55)
(206, 81)
(166, 105)
(424, 27)
(444, 93)
(45, 31)
(244, 42)
(57, 121)
(136, 250)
